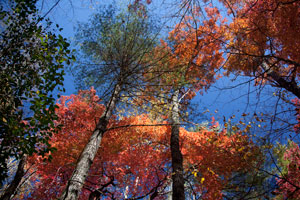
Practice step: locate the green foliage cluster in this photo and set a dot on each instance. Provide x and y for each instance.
(113, 44)
(31, 61)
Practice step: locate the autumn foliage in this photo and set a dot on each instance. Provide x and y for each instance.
(77, 115)
(261, 39)
(215, 156)
(265, 31)
(191, 53)
(135, 155)
(288, 182)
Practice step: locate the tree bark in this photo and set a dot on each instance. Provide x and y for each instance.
(10, 191)
(290, 86)
(89, 152)
(177, 159)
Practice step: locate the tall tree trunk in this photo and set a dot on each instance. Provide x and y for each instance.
(177, 160)
(10, 191)
(89, 152)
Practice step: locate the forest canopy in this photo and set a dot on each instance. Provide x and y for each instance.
(142, 122)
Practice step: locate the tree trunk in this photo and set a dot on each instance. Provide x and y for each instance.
(177, 160)
(10, 191)
(89, 152)
(290, 86)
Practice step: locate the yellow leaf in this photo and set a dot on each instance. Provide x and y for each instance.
(246, 155)
(4, 120)
(206, 111)
(241, 149)
(202, 180)
(194, 173)
(211, 171)
(234, 128)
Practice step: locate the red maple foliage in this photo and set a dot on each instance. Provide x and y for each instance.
(289, 183)
(134, 159)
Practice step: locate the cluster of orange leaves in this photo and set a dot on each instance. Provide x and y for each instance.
(264, 28)
(135, 151)
(187, 59)
(215, 156)
(192, 50)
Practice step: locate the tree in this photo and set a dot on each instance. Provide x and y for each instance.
(31, 59)
(11, 188)
(186, 64)
(114, 45)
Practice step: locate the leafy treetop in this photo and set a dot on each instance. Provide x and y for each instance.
(31, 60)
